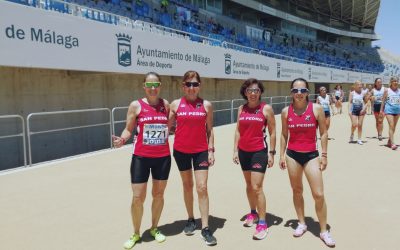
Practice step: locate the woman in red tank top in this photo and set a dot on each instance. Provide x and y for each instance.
(194, 149)
(151, 154)
(300, 122)
(251, 151)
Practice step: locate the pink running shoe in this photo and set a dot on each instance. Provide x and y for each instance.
(261, 232)
(250, 220)
(327, 239)
(300, 230)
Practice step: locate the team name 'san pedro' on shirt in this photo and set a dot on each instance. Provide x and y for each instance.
(252, 125)
(191, 131)
(152, 129)
(302, 130)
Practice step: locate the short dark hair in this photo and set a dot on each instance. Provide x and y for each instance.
(249, 82)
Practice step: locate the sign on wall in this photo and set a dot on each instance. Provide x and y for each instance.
(32, 37)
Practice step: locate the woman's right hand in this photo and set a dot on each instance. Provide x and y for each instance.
(236, 157)
(282, 163)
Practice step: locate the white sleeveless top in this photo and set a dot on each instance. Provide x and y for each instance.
(325, 102)
(378, 95)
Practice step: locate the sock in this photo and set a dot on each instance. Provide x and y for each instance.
(262, 222)
(253, 211)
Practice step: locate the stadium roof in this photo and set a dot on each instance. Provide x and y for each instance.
(361, 13)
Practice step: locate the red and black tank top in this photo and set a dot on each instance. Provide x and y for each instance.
(152, 129)
(191, 131)
(252, 124)
(302, 130)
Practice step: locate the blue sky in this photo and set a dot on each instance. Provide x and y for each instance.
(387, 26)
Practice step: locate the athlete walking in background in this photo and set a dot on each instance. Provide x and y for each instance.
(325, 100)
(194, 149)
(251, 151)
(339, 94)
(357, 111)
(150, 154)
(391, 108)
(377, 95)
(300, 155)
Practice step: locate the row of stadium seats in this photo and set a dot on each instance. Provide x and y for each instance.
(341, 56)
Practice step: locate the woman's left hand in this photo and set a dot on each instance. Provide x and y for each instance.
(211, 159)
(323, 162)
(270, 161)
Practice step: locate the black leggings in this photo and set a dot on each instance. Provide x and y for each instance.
(141, 167)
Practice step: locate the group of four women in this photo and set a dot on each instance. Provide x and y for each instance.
(193, 148)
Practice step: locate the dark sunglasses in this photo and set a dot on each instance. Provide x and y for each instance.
(302, 90)
(152, 84)
(255, 91)
(192, 84)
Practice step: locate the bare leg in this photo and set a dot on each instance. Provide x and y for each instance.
(314, 177)
(187, 181)
(158, 201)
(201, 177)
(139, 195)
(295, 171)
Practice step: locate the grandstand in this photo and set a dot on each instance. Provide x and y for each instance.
(64, 84)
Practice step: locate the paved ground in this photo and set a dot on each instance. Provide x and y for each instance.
(84, 203)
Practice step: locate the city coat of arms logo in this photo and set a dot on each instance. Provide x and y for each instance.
(124, 50)
(228, 64)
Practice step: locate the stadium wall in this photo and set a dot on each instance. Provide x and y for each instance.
(51, 62)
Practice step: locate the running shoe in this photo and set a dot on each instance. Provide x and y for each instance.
(380, 138)
(394, 146)
(360, 142)
(261, 232)
(351, 138)
(327, 239)
(208, 237)
(250, 220)
(158, 236)
(300, 230)
(132, 241)
(190, 227)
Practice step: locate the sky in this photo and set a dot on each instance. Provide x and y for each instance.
(387, 26)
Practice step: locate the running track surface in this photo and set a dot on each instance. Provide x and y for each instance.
(84, 202)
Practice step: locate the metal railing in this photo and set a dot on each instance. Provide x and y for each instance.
(22, 134)
(30, 133)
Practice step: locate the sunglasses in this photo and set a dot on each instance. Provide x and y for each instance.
(302, 90)
(152, 84)
(191, 84)
(253, 91)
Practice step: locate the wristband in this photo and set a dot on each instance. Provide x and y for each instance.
(272, 152)
(212, 149)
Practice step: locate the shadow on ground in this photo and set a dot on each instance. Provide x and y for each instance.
(176, 227)
(312, 225)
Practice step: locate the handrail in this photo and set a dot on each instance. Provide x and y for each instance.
(17, 135)
(29, 133)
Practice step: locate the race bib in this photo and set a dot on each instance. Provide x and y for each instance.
(155, 134)
(394, 100)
